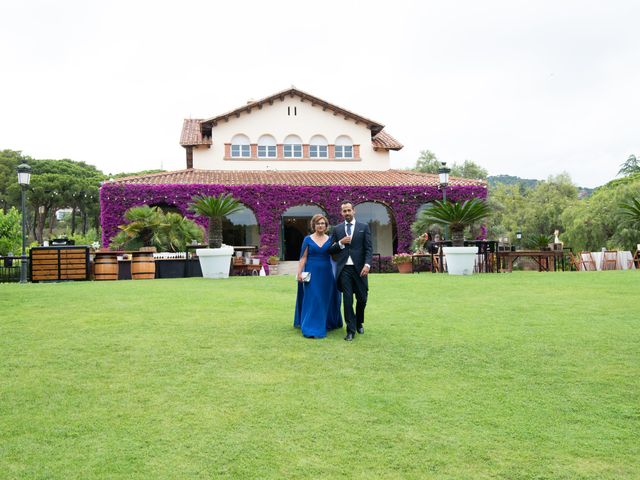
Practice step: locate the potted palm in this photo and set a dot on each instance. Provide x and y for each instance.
(404, 262)
(215, 260)
(457, 216)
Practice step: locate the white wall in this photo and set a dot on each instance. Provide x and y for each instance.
(273, 119)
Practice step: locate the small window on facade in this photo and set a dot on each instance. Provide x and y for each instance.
(240, 150)
(240, 146)
(266, 147)
(318, 147)
(267, 151)
(344, 147)
(292, 147)
(293, 150)
(318, 151)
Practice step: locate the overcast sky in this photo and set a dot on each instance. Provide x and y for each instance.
(526, 88)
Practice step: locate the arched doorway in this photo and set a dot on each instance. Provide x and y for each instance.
(434, 230)
(422, 208)
(241, 228)
(384, 233)
(166, 207)
(295, 226)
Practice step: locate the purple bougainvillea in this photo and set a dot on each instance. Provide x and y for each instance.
(269, 202)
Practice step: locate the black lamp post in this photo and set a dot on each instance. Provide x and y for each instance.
(24, 177)
(443, 173)
(519, 237)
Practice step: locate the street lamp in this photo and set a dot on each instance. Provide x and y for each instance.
(519, 237)
(24, 177)
(443, 173)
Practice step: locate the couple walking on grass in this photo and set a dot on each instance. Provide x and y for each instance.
(321, 280)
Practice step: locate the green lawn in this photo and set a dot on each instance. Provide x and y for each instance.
(512, 376)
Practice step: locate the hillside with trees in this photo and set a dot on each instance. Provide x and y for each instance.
(55, 185)
(588, 219)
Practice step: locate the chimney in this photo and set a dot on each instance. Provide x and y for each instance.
(189, 156)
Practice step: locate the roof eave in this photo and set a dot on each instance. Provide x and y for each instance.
(374, 126)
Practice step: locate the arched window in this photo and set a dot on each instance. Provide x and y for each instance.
(318, 147)
(344, 147)
(240, 146)
(266, 147)
(382, 225)
(295, 226)
(241, 228)
(292, 147)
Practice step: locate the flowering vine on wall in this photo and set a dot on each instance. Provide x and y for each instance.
(269, 202)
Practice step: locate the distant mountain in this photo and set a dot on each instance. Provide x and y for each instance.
(494, 180)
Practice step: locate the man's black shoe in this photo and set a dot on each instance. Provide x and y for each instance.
(360, 330)
(349, 337)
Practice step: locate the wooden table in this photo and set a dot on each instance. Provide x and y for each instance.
(542, 257)
(415, 261)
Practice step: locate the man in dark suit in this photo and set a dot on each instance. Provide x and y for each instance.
(351, 249)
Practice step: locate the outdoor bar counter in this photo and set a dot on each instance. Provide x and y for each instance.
(57, 263)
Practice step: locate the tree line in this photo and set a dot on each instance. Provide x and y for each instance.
(603, 217)
(534, 208)
(55, 185)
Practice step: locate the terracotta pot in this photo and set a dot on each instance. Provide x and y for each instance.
(405, 267)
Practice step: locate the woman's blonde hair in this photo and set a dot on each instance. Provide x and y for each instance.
(315, 219)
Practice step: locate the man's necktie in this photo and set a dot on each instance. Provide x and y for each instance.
(349, 229)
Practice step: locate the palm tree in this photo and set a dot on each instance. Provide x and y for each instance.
(457, 216)
(150, 226)
(216, 208)
(145, 224)
(540, 241)
(180, 232)
(632, 210)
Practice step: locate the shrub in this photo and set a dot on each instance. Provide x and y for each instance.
(150, 226)
(10, 232)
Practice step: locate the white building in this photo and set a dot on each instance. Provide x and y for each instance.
(287, 157)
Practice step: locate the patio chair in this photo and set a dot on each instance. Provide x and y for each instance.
(577, 262)
(436, 263)
(588, 262)
(609, 260)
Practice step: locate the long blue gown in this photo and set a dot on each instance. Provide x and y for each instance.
(318, 301)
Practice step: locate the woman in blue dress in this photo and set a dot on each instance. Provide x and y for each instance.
(318, 301)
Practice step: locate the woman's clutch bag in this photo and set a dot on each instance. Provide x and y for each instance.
(306, 277)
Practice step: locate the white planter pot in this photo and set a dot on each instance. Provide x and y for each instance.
(215, 262)
(460, 260)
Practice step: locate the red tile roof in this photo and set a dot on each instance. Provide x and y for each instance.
(192, 133)
(384, 141)
(295, 178)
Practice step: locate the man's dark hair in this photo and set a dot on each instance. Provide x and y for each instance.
(344, 202)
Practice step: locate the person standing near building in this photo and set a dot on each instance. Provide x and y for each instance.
(318, 300)
(352, 250)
